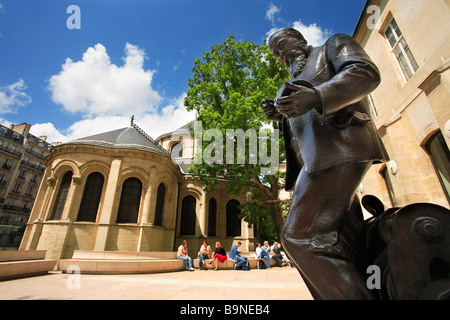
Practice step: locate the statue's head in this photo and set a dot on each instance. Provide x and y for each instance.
(287, 32)
(290, 48)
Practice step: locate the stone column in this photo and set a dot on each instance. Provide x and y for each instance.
(149, 198)
(107, 210)
(202, 216)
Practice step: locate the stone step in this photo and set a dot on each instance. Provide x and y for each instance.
(19, 264)
(16, 255)
(120, 266)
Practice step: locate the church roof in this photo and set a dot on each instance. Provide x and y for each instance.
(131, 137)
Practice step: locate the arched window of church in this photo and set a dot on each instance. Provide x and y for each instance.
(159, 210)
(212, 216)
(63, 191)
(177, 150)
(188, 216)
(233, 220)
(130, 200)
(91, 197)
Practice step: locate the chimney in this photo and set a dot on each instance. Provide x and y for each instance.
(23, 128)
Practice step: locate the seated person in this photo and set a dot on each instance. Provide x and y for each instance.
(235, 256)
(204, 253)
(182, 254)
(261, 253)
(277, 255)
(219, 255)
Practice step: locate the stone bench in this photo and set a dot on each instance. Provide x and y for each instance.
(19, 264)
(229, 264)
(120, 255)
(111, 262)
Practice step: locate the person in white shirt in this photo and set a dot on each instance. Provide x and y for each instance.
(204, 253)
(182, 254)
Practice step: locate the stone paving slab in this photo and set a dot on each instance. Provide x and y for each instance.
(265, 284)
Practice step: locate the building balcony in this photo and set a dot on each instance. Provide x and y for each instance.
(15, 209)
(33, 166)
(11, 151)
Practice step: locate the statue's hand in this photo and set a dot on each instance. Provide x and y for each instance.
(300, 100)
(270, 110)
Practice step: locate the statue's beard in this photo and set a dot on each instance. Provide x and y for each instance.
(297, 67)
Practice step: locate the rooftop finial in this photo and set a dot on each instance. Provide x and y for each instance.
(132, 119)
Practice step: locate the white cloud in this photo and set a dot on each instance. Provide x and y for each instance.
(108, 95)
(48, 130)
(154, 124)
(95, 87)
(13, 96)
(270, 14)
(314, 34)
(88, 127)
(169, 118)
(271, 32)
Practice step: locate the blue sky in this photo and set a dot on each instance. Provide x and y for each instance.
(131, 57)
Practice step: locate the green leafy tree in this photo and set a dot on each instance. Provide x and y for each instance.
(227, 86)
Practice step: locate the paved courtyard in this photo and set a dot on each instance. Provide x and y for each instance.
(268, 284)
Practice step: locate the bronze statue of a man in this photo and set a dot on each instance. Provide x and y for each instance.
(331, 142)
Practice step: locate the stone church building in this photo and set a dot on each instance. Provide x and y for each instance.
(123, 191)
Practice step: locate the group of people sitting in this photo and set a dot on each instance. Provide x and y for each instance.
(274, 252)
(241, 262)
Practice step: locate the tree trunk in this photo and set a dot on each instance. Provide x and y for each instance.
(271, 200)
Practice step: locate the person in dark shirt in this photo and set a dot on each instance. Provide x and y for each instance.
(219, 255)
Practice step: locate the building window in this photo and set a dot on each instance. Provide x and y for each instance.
(233, 219)
(188, 216)
(16, 189)
(21, 175)
(62, 196)
(401, 50)
(440, 156)
(373, 108)
(212, 216)
(91, 197)
(17, 220)
(7, 164)
(159, 210)
(130, 201)
(390, 188)
(177, 150)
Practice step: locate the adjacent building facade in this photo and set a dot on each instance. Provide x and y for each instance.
(409, 42)
(123, 191)
(22, 166)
